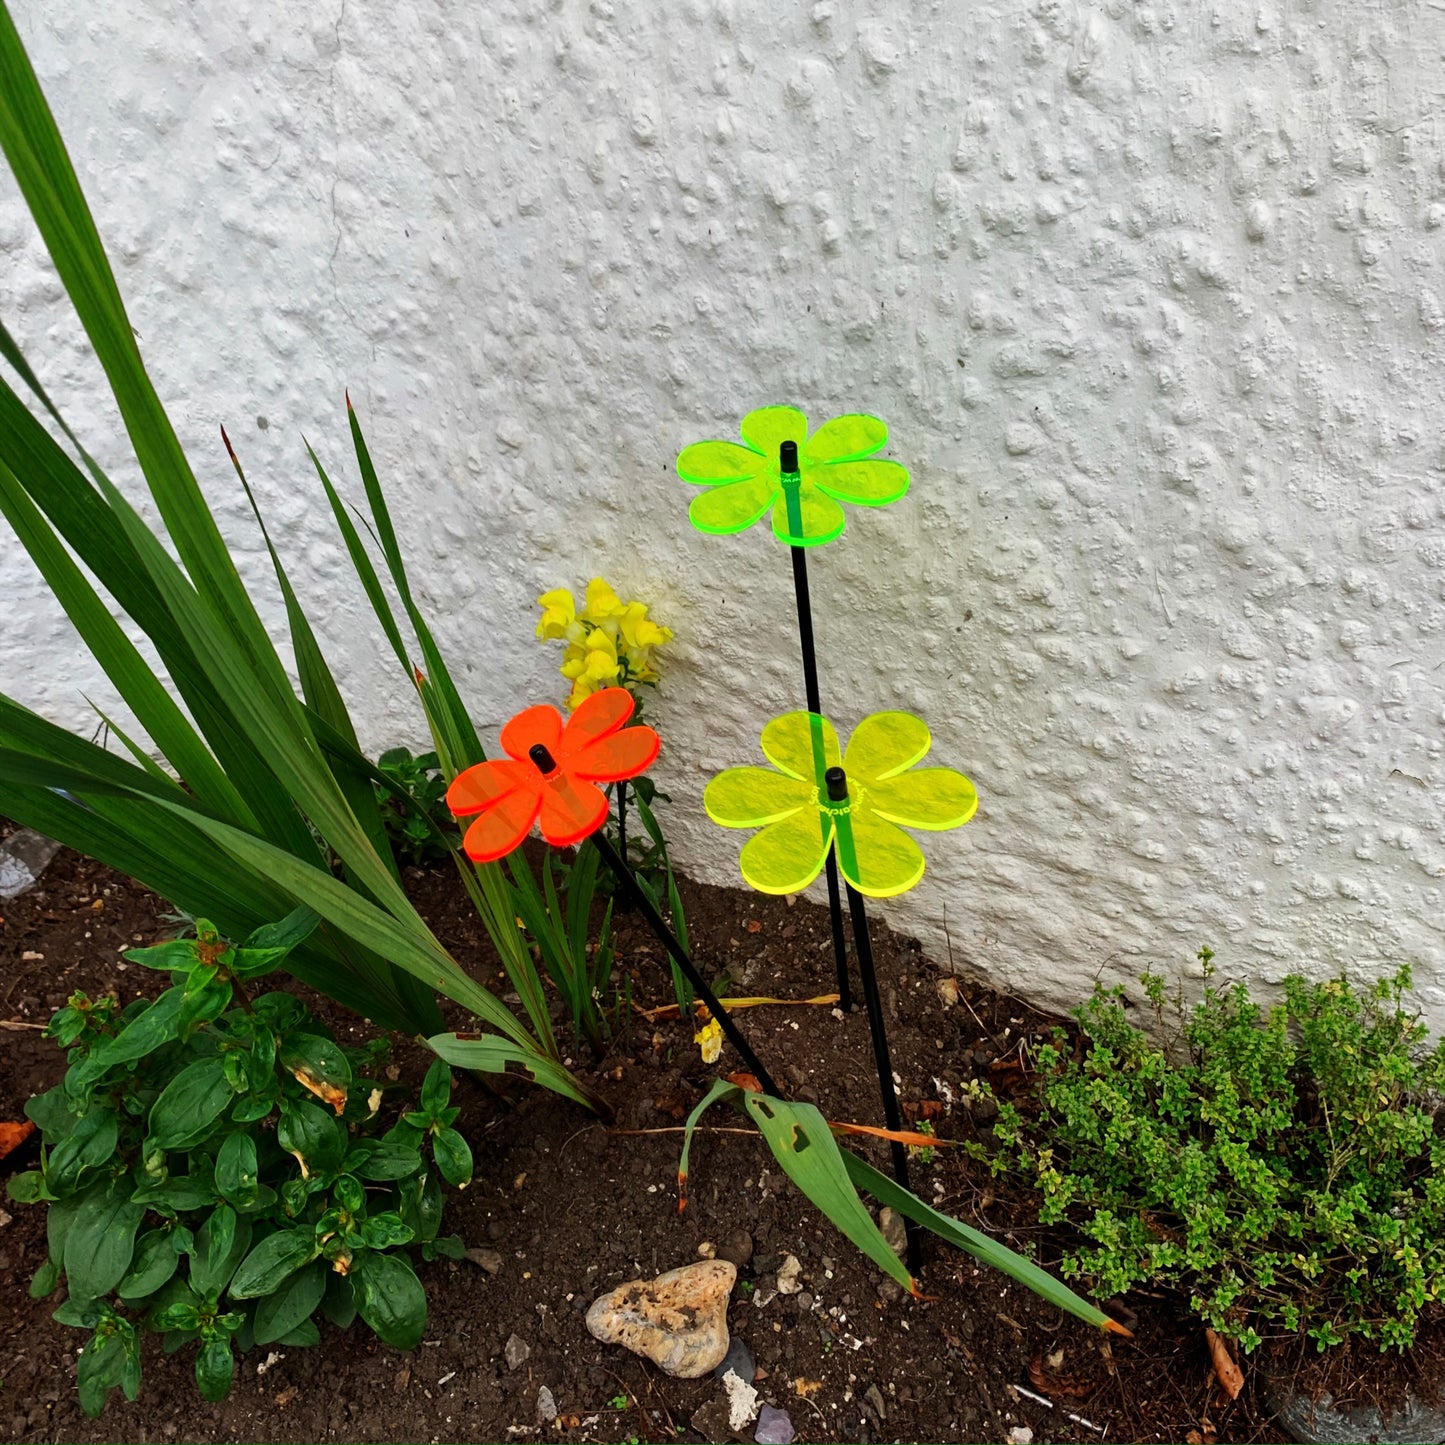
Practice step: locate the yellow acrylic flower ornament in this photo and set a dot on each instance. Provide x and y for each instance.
(745, 481)
(854, 802)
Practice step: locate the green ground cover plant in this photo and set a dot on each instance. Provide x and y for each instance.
(1283, 1166)
(217, 1170)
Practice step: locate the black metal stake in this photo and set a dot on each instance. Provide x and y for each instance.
(546, 764)
(644, 905)
(858, 915)
(788, 464)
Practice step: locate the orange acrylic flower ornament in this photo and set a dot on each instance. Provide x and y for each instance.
(550, 775)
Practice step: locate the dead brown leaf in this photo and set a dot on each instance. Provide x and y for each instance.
(326, 1092)
(926, 1109)
(1057, 1386)
(803, 1388)
(754, 926)
(1229, 1375)
(286, 1396)
(672, 1106)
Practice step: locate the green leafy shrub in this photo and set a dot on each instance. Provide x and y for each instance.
(215, 1170)
(1282, 1166)
(409, 807)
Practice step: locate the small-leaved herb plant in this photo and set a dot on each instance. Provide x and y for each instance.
(410, 806)
(1283, 1167)
(215, 1169)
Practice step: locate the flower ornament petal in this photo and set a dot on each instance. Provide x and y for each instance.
(571, 810)
(540, 724)
(502, 827)
(603, 713)
(507, 794)
(802, 745)
(733, 506)
(618, 756)
(485, 785)
(754, 797)
(805, 516)
(933, 798)
(878, 858)
(865, 484)
(709, 464)
(786, 856)
(885, 744)
(766, 429)
(845, 439)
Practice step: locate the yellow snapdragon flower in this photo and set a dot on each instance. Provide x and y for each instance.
(559, 616)
(609, 642)
(709, 1038)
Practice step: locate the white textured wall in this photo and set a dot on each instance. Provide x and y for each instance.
(1150, 295)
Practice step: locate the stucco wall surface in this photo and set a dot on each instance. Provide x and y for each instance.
(1150, 295)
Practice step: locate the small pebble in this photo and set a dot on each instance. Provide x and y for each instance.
(774, 1427)
(739, 1360)
(891, 1226)
(874, 1396)
(737, 1248)
(517, 1352)
(546, 1406)
(788, 1273)
(487, 1259)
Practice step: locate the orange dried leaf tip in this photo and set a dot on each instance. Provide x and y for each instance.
(13, 1135)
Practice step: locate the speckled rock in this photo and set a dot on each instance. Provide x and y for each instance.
(679, 1320)
(1150, 295)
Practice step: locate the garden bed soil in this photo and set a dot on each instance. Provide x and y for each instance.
(573, 1208)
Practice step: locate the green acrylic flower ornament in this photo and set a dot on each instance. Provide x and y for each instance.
(745, 481)
(800, 821)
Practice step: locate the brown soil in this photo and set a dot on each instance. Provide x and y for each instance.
(575, 1208)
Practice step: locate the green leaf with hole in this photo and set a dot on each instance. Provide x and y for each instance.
(237, 1176)
(453, 1157)
(389, 1297)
